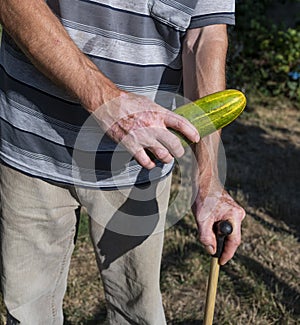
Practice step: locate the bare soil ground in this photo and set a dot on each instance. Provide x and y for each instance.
(261, 284)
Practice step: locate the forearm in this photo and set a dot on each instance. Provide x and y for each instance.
(205, 59)
(43, 39)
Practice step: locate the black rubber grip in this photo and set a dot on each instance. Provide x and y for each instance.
(221, 230)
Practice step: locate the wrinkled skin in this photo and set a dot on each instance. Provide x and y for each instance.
(138, 124)
(212, 209)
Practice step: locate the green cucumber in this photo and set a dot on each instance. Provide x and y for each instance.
(212, 112)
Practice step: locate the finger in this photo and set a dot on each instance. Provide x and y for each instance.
(143, 159)
(182, 125)
(161, 153)
(207, 236)
(232, 242)
(171, 142)
(136, 144)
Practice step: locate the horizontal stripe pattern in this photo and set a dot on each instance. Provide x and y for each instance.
(40, 113)
(116, 47)
(130, 77)
(204, 8)
(137, 44)
(135, 25)
(210, 19)
(44, 166)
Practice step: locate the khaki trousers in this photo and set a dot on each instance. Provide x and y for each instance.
(38, 226)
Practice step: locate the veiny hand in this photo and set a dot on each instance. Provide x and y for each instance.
(138, 124)
(211, 209)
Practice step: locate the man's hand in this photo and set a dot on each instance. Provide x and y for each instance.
(138, 124)
(207, 211)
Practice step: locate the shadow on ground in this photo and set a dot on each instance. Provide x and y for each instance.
(266, 170)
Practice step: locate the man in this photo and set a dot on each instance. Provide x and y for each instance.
(88, 61)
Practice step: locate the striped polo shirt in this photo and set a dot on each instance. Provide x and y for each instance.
(135, 43)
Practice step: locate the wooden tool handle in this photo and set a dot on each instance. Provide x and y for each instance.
(211, 291)
(221, 229)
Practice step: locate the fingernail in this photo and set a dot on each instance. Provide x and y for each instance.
(223, 262)
(210, 250)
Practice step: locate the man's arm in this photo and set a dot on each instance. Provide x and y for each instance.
(43, 39)
(126, 117)
(204, 61)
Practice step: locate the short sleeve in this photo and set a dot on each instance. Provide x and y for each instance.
(211, 12)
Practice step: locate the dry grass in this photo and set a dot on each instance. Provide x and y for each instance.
(261, 284)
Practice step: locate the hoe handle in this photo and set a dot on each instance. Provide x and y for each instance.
(221, 229)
